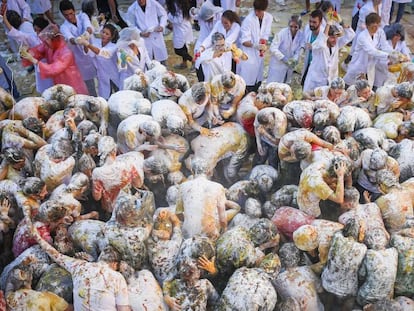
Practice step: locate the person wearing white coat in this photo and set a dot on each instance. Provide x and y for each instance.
(285, 49)
(150, 18)
(23, 33)
(104, 55)
(325, 53)
(179, 17)
(74, 27)
(401, 7)
(371, 47)
(254, 34)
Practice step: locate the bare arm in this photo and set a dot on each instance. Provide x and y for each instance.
(338, 196)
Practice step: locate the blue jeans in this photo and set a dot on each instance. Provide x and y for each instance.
(400, 11)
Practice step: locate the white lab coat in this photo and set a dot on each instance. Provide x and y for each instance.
(228, 5)
(214, 66)
(133, 62)
(106, 67)
(39, 6)
(230, 36)
(182, 30)
(26, 36)
(368, 51)
(283, 47)
(154, 16)
(83, 61)
(251, 70)
(324, 66)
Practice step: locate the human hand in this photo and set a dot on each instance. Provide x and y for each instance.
(173, 303)
(339, 168)
(24, 53)
(208, 265)
(115, 19)
(82, 41)
(367, 196)
(204, 131)
(159, 29)
(308, 46)
(145, 34)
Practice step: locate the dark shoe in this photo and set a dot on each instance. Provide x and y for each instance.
(180, 66)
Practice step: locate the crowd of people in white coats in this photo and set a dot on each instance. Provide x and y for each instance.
(123, 186)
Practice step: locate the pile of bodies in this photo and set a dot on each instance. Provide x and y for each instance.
(168, 196)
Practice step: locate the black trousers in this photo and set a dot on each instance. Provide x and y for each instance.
(183, 52)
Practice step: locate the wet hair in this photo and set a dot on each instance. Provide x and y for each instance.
(14, 18)
(372, 239)
(113, 30)
(404, 90)
(109, 254)
(13, 155)
(372, 18)
(151, 128)
(106, 145)
(172, 194)
(337, 84)
(91, 140)
(321, 118)
(88, 7)
(86, 126)
(170, 80)
(334, 31)
(32, 185)
(386, 178)
(198, 91)
(331, 134)
(198, 166)
(289, 255)
(335, 161)
(232, 16)
(301, 149)
(216, 36)
(260, 5)
(61, 149)
(361, 84)
(351, 228)
(155, 166)
(317, 14)
(325, 6)
(186, 266)
(263, 231)
(77, 181)
(378, 159)
(393, 30)
(66, 5)
(228, 79)
(40, 22)
(34, 125)
(51, 211)
(351, 195)
(296, 19)
(92, 106)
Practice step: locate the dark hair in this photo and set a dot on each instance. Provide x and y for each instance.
(34, 124)
(231, 16)
(32, 185)
(372, 18)
(88, 7)
(394, 29)
(13, 155)
(296, 19)
(40, 22)
(14, 18)
(113, 30)
(217, 36)
(260, 5)
(66, 5)
(325, 6)
(317, 13)
(183, 5)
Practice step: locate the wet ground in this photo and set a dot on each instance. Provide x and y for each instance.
(25, 80)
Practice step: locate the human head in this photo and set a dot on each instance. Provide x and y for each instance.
(336, 160)
(351, 198)
(306, 238)
(333, 34)
(395, 30)
(51, 36)
(34, 186)
(88, 7)
(61, 149)
(34, 125)
(376, 238)
(301, 149)
(90, 143)
(378, 159)
(253, 208)
(218, 42)
(373, 21)
(404, 90)
(151, 129)
(228, 80)
(260, 6)
(155, 169)
(331, 134)
(67, 9)
(294, 24)
(15, 157)
(198, 166)
(263, 231)
(228, 18)
(326, 6)
(14, 18)
(271, 264)
(40, 23)
(386, 180)
(110, 256)
(200, 92)
(170, 80)
(363, 89)
(289, 255)
(106, 146)
(315, 20)
(78, 182)
(111, 32)
(208, 10)
(51, 211)
(337, 86)
(142, 2)
(188, 270)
